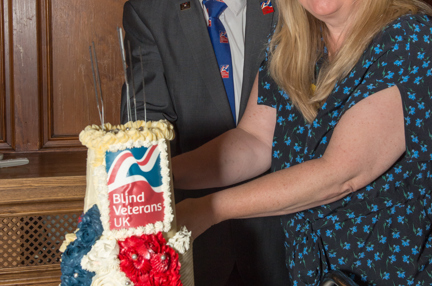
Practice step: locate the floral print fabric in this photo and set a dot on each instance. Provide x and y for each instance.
(380, 234)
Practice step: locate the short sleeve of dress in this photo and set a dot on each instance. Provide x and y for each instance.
(269, 92)
(266, 86)
(401, 55)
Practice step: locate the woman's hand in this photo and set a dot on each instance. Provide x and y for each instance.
(196, 215)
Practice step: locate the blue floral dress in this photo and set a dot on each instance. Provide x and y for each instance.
(380, 234)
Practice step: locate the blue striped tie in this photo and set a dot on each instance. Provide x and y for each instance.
(219, 40)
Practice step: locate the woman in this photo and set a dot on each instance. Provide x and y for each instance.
(347, 135)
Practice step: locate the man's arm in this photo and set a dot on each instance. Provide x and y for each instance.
(235, 156)
(142, 42)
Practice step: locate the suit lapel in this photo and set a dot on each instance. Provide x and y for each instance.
(258, 27)
(202, 50)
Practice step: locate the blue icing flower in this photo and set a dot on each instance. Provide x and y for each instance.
(90, 229)
(76, 276)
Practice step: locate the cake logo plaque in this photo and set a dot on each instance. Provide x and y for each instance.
(134, 187)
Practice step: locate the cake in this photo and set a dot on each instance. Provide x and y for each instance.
(127, 234)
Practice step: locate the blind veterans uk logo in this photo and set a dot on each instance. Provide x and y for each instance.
(267, 7)
(223, 38)
(135, 187)
(224, 70)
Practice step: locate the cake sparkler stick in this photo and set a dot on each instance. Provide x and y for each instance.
(143, 83)
(97, 84)
(132, 79)
(120, 35)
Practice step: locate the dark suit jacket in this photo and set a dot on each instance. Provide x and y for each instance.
(183, 85)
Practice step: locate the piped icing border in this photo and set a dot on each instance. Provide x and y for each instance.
(101, 138)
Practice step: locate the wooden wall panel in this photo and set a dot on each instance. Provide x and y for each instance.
(70, 102)
(26, 107)
(5, 98)
(46, 85)
(2, 80)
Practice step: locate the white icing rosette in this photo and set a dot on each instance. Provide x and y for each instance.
(181, 241)
(111, 278)
(102, 257)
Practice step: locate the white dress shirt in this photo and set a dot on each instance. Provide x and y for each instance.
(234, 21)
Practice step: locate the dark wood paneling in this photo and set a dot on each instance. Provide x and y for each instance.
(5, 99)
(69, 100)
(25, 91)
(46, 92)
(2, 80)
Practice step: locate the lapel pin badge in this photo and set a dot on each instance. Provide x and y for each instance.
(267, 7)
(185, 5)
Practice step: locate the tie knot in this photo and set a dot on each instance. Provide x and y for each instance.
(214, 8)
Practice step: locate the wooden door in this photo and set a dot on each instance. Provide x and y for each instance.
(47, 92)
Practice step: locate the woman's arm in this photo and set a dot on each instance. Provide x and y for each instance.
(367, 141)
(237, 155)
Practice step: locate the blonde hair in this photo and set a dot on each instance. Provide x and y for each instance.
(297, 45)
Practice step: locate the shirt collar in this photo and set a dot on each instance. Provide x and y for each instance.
(236, 6)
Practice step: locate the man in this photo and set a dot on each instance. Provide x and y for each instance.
(183, 84)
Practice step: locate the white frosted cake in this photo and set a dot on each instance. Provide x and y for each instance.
(127, 234)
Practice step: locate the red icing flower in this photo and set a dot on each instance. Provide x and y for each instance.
(148, 261)
(165, 279)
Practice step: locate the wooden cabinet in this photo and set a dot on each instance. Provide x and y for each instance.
(39, 203)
